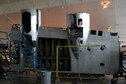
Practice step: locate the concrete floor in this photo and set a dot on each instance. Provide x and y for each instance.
(19, 81)
(15, 79)
(34, 81)
(120, 81)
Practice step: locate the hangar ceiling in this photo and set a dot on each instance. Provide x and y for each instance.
(8, 6)
(114, 16)
(6, 1)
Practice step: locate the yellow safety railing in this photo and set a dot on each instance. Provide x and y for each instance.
(68, 46)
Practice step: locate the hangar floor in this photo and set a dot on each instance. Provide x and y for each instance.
(34, 81)
(34, 78)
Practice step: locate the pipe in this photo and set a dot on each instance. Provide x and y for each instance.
(57, 76)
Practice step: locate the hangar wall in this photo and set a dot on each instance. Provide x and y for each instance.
(101, 19)
(56, 16)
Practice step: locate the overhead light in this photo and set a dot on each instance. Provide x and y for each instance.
(105, 3)
(109, 28)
